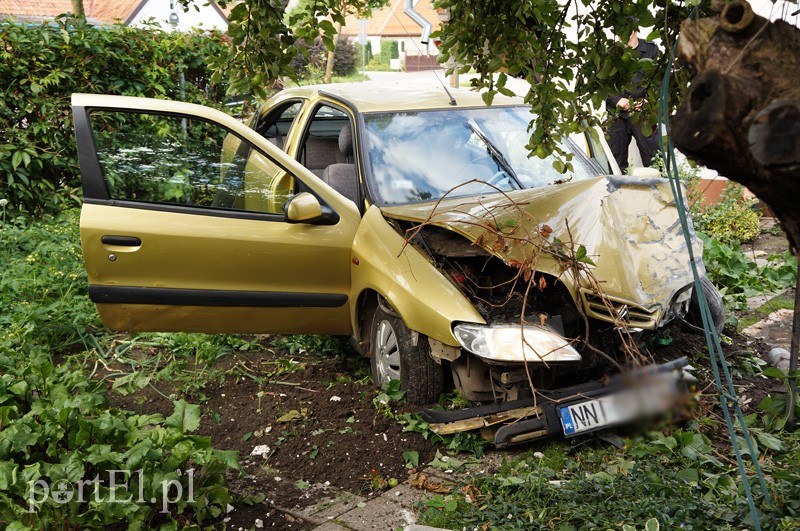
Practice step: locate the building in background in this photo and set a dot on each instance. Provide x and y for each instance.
(391, 24)
(165, 13)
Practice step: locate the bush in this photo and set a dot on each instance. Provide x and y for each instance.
(733, 219)
(345, 59)
(42, 65)
(309, 63)
(56, 426)
(389, 50)
(367, 48)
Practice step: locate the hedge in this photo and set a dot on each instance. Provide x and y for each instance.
(42, 65)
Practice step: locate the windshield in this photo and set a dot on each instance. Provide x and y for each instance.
(422, 155)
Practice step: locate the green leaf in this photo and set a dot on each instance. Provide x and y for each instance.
(230, 458)
(652, 525)
(770, 441)
(411, 457)
(689, 475)
(8, 475)
(774, 372)
(186, 417)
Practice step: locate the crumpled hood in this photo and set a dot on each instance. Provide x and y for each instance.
(628, 225)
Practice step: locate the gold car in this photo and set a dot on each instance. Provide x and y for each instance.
(413, 222)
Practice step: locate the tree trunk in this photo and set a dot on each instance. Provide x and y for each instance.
(77, 7)
(741, 115)
(331, 53)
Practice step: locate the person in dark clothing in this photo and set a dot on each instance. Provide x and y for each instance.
(622, 128)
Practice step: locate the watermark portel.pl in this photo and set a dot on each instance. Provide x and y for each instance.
(64, 492)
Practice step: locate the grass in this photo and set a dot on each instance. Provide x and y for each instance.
(781, 302)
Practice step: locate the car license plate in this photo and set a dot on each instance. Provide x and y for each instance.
(590, 415)
(648, 397)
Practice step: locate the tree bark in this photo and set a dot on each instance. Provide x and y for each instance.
(331, 54)
(77, 7)
(741, 115)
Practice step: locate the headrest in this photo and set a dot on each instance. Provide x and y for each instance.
(346, 140)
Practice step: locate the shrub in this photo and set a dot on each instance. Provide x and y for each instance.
(367, 50)
(345, 58)
(389, 50)
(56, 426)
(732, 219)
(42, 65)
(309, 63)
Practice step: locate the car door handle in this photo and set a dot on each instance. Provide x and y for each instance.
(124, 241)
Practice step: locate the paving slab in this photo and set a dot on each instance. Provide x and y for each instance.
(775, 329)
(330, 526)
(330, 507)
(394, 509)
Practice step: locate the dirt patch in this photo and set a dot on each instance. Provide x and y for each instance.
(311, 423)
(771, 240)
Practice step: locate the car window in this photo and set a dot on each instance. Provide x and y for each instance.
(320, 145)
(597, 153)
(165, 159)
(423, 155)
(275, 125)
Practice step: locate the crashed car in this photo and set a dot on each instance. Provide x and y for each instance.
(411, 220)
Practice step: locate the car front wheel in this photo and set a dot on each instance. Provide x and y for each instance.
(394, 356)
(715, 304)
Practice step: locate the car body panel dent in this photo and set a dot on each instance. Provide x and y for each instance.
(629, 228)
(424, 298)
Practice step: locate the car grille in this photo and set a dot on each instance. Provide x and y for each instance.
(630, 314)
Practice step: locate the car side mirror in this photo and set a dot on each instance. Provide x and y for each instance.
(306, 208)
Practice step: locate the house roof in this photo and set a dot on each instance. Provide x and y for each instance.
(101, 10)
(391, 20)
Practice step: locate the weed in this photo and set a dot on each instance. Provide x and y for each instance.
(390, 392)
(323, 346)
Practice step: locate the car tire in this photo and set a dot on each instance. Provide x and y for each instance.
(393, 356)
(715, 304)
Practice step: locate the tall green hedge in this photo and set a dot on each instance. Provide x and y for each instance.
(42, 65)
(389, 50)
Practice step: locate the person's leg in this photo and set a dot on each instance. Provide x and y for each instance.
(619, 138)
(648, 145)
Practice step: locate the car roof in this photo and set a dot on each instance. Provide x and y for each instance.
(368, 97)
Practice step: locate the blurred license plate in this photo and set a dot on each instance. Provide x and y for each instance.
(591, 415)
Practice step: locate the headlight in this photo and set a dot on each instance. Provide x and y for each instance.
(503, 343)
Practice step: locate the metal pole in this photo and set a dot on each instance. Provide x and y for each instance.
(793, 352)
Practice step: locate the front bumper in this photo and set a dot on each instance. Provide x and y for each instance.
(571, 411)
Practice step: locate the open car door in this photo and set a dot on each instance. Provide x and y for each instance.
(183, 232)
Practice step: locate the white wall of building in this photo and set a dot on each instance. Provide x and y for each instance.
(206, 18)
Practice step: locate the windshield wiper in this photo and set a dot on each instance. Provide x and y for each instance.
(495, 153)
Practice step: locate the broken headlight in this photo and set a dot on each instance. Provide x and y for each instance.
(505, 343)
